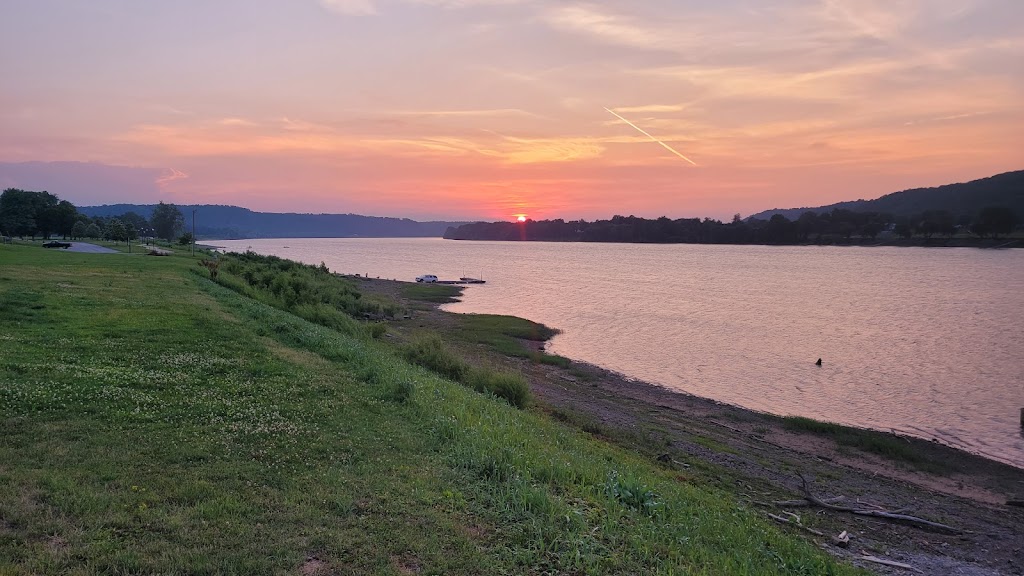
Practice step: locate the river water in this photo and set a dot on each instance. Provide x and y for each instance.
(924, 341)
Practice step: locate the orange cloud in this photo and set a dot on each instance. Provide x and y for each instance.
(239, 137)
(170, 175)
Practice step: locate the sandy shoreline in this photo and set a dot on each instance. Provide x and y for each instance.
(759, 458)
(753, 454)
(653, 390)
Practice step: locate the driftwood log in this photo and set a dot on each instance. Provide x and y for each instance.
(805, 502)
(794, 520)
(892, 563)
(878, 513)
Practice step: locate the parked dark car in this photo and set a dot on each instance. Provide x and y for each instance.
(56, 244)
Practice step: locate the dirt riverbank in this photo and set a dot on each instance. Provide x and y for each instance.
(761, 458)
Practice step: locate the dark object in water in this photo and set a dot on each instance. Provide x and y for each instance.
(818, 363)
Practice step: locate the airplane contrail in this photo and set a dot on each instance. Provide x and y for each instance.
(641, 130)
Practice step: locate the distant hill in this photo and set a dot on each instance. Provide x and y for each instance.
(961, 200)
(234, 222)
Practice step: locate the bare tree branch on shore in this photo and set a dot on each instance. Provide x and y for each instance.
(877, 512)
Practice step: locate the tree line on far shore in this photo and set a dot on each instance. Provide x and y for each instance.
(838, 226)
(42, 214)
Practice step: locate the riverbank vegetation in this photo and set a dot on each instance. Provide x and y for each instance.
(839, 227)
(310, 292)
(978, 213)
(29, 213)
(507, 335)
(431, 293)
(889, 446)
(158, 422)
(431, 352)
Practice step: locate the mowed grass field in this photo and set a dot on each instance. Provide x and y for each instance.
(153, 422)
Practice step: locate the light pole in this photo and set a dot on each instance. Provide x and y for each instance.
(193, 232)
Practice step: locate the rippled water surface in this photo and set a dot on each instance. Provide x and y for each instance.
(929, 342)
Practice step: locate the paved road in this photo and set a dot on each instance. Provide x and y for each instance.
(86, 247)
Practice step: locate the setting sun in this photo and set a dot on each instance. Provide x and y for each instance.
(521, 218)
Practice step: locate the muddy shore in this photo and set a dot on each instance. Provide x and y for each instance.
(761, 458)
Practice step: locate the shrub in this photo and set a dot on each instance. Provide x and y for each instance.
(507, 385)
(633, 494)
(326, 316)
(430, 352)
(376, 329)
(311, 292)
(400, 392)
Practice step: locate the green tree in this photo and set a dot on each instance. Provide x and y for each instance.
(937, 222)
(871, 229)
(994, 220)
(17, 218)
(93, 231)
(140, 224)
(78, 230)
(65, 216)
(23, 212)
(167, 220)
(846, 229)
(185, 239)
(807, 224)
(780, 230)
(116, 230)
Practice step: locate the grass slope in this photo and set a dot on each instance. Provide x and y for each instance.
(155, 422)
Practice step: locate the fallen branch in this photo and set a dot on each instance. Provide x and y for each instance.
(796, 523)
(805, 502)
(769, 442)
(892, 563)
(726, 426)
(920, 522)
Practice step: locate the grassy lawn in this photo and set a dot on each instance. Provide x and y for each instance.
(434, 293)
(505, 334)
(155, 422)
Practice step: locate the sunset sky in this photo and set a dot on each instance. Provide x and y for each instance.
(492, 108)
